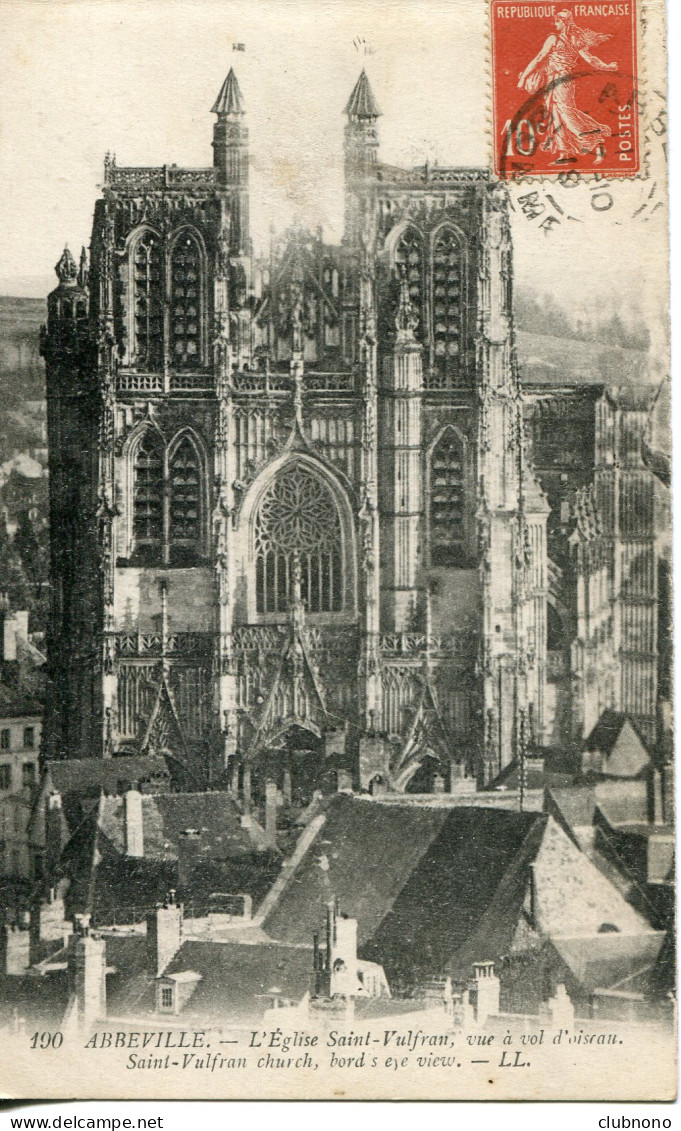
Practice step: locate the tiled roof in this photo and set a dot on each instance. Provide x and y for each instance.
(418, 880)
(129, 986)
(108, 775)
(573, 806)
(476, 907)
(601, 961)
(167, 815)
(606, 731)
(364, 855)
(229, 100)
(361, 103)
(22, 683)
(116, 887)
(237, 978)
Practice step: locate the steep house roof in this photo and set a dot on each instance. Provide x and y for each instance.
(108, 775)
(435, 889)
(22, 682)
(364, 854)
(226, 858)
(237, 979)
(617, 739)
(574, 807)
(608, 958)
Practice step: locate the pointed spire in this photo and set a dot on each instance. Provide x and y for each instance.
(362, 103)
(230, 99)
(66, 269)
(83, 271)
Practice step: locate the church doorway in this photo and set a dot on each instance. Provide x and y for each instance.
(429, 778)
(294, 759)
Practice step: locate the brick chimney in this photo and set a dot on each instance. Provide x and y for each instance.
(54, 830)
(164, 934)
(48, 924)
(13, 629)
(15, 950)
(341, 950)
(487, 987)
(8, 635)
(561, 1009)
(87, 973)
(134, 823)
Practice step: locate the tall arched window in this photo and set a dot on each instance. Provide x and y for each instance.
(185, 503)
(447, 300)
(298, 520)
(148, 304)
(185, 275)
(447, 502)
(148, 500)
(409, 261)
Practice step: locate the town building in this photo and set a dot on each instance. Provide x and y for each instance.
(22, 677)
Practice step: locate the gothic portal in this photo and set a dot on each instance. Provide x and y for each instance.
(295, 531)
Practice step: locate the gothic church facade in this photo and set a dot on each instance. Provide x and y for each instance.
(296, 534)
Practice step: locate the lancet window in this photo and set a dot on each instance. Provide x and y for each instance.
(185, 501)
(148, 499)
(185, 275)
(298, 541)
(148, 302)
(447, 301)
(409, 262)
(447, 502)
(167, 502)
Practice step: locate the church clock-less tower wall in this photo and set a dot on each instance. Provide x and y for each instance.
(295, 534)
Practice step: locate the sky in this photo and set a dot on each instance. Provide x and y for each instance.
(138, 77)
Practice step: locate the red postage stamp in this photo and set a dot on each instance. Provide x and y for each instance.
(565, 88)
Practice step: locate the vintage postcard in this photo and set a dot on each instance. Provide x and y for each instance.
(335, 564)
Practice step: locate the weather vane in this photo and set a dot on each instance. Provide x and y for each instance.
(361, 46)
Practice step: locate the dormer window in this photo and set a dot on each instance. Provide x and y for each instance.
(166, 998)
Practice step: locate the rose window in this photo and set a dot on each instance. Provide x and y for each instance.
(298, 521)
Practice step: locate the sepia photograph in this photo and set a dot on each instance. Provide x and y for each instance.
(336, 684)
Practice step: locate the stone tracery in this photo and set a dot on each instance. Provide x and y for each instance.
(297, 519)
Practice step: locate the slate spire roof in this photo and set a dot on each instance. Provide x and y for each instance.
(230, 99)
(362, 103)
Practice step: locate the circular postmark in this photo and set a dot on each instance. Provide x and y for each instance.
(578, 124)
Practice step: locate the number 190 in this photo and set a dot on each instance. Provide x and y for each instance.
(47, 1040)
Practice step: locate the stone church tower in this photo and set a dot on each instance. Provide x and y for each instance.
(295, 535)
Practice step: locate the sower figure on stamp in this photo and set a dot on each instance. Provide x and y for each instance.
(569, 131)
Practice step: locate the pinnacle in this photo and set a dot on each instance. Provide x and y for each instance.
(362, 103)
(66, 267)
(230, 99)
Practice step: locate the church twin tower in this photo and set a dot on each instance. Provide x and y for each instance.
(294, 534)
